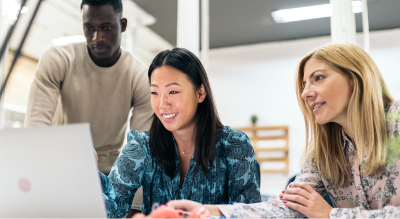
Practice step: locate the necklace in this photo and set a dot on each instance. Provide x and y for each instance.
(183, 152)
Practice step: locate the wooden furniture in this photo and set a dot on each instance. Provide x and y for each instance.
(259, 135)
(17, 90)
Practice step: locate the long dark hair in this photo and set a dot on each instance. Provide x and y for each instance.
(207, 120)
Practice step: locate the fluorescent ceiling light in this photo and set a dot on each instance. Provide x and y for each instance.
(68, 39)
(24, 10)
(11, 8)
(312, 12)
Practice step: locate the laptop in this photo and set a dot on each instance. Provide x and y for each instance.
(49, 172)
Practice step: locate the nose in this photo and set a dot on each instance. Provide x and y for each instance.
(308, 93)
(97, 37)
(164, 103)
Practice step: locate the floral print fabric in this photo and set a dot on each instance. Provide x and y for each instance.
(364, 197)
(234, 176)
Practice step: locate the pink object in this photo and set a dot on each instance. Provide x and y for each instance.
(164, 212)
(24, 185)
(139, 215)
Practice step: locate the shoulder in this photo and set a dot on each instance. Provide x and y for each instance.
(66, 52)
(393, 107)
(393, 118)
(56, 61)
(229, 135)
(133, 62)
(69, 49)
(234, 141)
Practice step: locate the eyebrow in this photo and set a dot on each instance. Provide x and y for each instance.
(312, 74)
(170, 84)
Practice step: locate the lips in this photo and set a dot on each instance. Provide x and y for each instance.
(169, 116)
(315, 106)
(99, 49)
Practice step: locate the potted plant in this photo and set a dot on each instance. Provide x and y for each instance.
(254, 119)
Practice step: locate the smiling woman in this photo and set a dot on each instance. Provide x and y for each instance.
(354, 97)
(327, 90)
(352, 148)
(187, 153)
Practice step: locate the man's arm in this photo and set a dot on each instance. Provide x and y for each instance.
(142, 111)
(45, 88)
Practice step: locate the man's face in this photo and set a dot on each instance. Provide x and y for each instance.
(102, 27)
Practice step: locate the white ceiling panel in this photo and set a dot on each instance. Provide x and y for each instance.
(61, 18)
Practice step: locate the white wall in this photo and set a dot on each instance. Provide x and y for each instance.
(259, 79)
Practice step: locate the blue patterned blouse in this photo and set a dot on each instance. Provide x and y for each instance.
(235, 177)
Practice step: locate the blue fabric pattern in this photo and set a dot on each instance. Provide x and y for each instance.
(234, 176)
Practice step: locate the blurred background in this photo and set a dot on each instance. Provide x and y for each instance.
(249, 48)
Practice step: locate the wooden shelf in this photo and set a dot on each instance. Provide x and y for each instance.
(258, 149)
(271, 159)
(285, 171)
(256, 138)
(258, 128)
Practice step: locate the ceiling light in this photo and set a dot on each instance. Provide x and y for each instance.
(68, 39)
(24, 10)
(11, 8)
(312, 12)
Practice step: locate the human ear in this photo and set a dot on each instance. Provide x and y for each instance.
(124, 24)
(352, 85)
(201, 94)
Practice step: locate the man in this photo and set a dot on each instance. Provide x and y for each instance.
(95, 82)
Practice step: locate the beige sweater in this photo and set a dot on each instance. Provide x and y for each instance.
(70, 88)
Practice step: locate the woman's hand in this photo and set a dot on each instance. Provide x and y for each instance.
(186, 205)
(303, 198)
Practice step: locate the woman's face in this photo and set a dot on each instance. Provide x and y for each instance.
(327, 91)
(174, 99)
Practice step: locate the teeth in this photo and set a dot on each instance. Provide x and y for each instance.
(318, 105)
(169, 116)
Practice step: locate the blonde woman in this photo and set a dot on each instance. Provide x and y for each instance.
(352, 152)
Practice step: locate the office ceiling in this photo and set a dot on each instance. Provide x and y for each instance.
(241, 22)
(61, 18)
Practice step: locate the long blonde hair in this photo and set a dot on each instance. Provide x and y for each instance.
(365, 115)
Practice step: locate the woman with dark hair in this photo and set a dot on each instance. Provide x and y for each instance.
(187, 153)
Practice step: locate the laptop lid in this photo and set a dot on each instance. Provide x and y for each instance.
(49, 172)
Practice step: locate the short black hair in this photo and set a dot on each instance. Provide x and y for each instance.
(117, 4)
